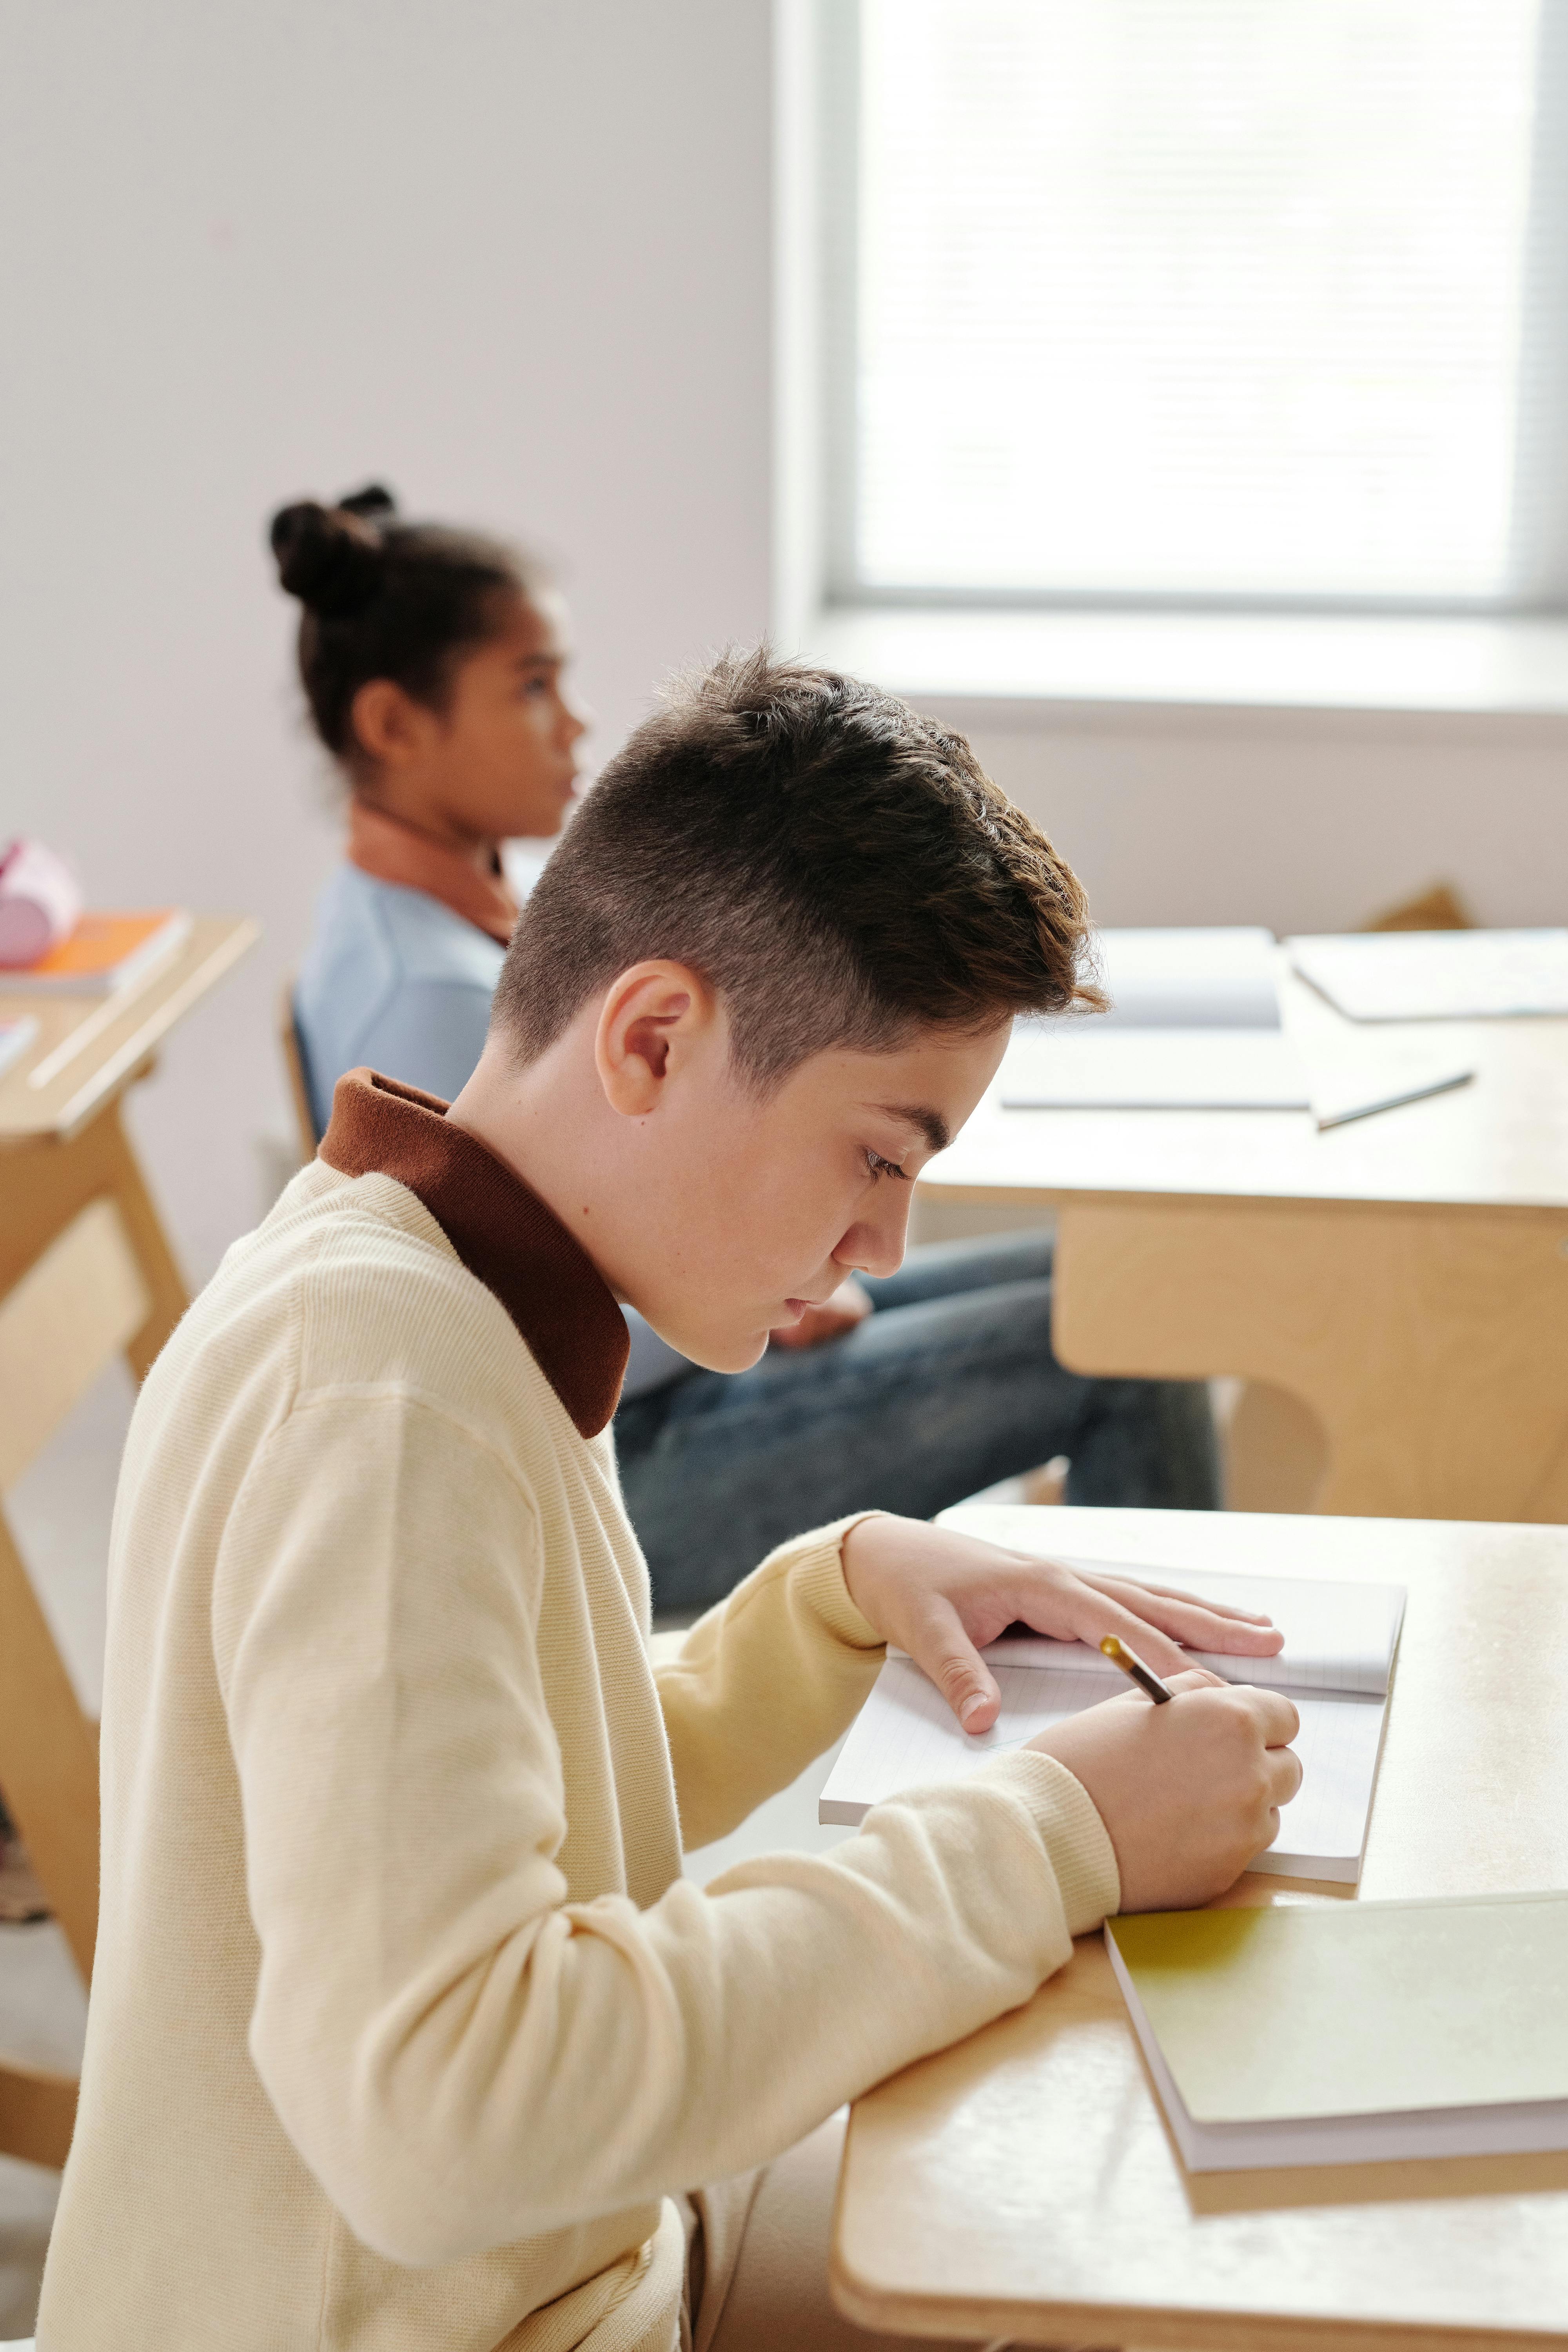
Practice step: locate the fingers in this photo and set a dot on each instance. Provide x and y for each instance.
(945, 1655)
(1197, 1678)
(1124, 1584)
(1098, 1614)
(1190, 1621)
(1277, 1719)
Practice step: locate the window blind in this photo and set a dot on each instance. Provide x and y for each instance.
(1201, 300)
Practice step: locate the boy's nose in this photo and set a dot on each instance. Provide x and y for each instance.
(876, 1244)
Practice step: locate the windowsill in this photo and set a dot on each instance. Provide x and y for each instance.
(1265, 661)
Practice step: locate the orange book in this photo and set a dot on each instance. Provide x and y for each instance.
(104, 952)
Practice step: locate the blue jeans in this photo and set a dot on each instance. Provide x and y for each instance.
(949, 1386)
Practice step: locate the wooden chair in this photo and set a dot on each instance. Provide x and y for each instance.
(298, 1087)
(85, 1274)
(86, 1297)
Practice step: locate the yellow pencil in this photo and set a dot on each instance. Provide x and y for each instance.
(1132, 1665)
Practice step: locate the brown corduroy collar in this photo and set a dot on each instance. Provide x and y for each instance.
(500, 1229)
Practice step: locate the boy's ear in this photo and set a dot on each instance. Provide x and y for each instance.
(387, 724)
(653, 1016)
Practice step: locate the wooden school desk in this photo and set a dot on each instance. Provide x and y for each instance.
(1405, 1277)
(1023, 2186)
(85, 1273)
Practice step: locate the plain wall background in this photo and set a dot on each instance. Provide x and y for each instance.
(515, 259)
(512, 258)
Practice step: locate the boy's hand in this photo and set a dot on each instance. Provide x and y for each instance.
(943, 1596)
(1190, 1793)
(848, 1306)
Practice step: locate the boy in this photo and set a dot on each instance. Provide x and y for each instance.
(406, 2030)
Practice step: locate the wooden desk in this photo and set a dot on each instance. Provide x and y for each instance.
(1404, 1277)
(85, 1273)
(1023, 2185)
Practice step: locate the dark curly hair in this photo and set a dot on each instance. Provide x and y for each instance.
(386, 598)
(841, 870)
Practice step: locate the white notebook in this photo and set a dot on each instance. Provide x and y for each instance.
(1437, 975)
(1088, 1068)
(1336, 1665)
(1194, 1025)
(1225, 976)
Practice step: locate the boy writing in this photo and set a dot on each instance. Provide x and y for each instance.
(406, 2030)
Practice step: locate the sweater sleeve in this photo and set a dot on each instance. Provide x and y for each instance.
(765, 1681)
(462, 2055)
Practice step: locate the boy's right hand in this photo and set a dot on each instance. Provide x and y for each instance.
(1190, 1793)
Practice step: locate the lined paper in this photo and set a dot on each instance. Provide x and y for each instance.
(1336, 1667)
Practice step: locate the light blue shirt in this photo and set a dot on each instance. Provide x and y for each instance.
(394, 979)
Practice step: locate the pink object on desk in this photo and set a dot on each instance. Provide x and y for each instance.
(39, 903)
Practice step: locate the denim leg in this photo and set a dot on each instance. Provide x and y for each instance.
(914, 1409)
(940, 1269)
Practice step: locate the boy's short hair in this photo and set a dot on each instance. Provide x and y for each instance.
(841, 871)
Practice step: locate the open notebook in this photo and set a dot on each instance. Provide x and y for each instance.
(1353, 2032)
(1336, 1665)
(1194, 1025)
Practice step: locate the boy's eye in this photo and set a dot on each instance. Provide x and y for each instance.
(877, 1166)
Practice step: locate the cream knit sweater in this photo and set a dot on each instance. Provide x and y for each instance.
(406, 2024)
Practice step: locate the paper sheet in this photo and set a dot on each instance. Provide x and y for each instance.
(1437, 975)
(907, 1735)
(1336, 1665)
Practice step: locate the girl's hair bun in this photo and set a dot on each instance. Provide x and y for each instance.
(331, 557)
(370, 503)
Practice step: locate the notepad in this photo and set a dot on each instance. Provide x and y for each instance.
(104, 952)
(1223, 976)
(1437, 975)
(1223, 1069)
(1353, 2032)
(1336, 1665)
(1083, 1067)
(1194, 1025)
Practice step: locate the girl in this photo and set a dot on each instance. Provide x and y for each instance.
(433, 665)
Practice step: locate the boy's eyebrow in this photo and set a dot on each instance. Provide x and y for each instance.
(923, 1118)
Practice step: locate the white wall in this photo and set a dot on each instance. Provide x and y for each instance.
(1304, 821)
(511, 257)
(515, 259)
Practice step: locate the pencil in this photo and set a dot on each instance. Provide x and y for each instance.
(1132, 1664)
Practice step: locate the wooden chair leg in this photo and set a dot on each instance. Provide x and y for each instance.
(48, 1758)
(164, 1282)
(37, 2113)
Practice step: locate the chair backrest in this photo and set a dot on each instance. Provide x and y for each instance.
(299, 1086)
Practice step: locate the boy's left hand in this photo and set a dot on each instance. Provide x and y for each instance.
(849, 1305)
(943, 1596)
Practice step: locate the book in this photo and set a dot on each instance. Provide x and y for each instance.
(15, 1037)
(1437, 975)
(1194, 1025)
(1086, 1067)
(104, 952)
(1336, 1665)
(1224, 976)
(1353, 2032)
(1225, 1069)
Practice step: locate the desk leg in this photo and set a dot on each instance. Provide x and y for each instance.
(48, 1758)
(164, 1285)
(1431, 1345)
(44, 1186)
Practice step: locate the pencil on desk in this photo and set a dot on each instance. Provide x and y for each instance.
(1132, 1665)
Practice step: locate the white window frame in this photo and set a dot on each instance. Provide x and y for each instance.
(1014, 648)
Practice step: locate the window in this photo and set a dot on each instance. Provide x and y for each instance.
(1199, 301)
